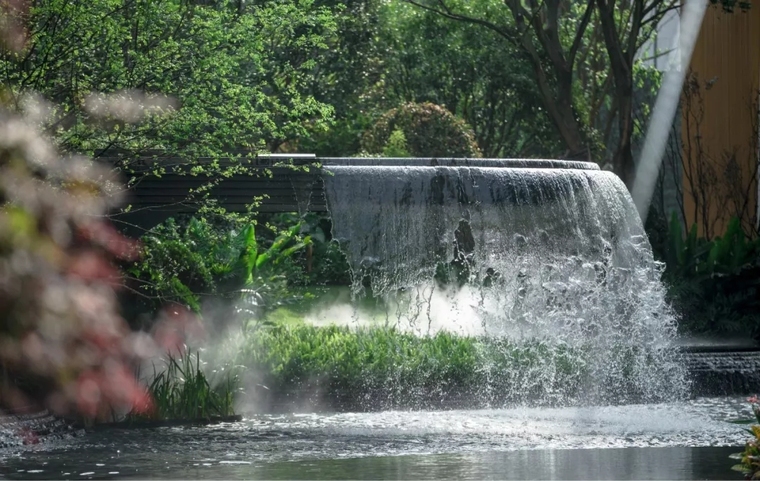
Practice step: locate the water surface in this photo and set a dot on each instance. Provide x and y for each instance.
(688, 440)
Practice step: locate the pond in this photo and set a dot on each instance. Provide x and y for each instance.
(683, 440)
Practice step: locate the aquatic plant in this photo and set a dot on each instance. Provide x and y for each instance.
(713, 283)
(182, 390)
(342, 368)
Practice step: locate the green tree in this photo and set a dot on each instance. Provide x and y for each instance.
(241, 74)
(471, 72)
(557, 39)
(347, 75)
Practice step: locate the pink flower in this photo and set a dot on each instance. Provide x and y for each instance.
(100, 389)
(88, 396)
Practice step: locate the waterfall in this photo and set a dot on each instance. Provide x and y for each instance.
(537, 251)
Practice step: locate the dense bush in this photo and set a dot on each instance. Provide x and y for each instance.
(197, 260)
(428, 130)
(228, 267)
(714, 284)
(322, 262)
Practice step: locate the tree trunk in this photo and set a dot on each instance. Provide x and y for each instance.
(559, 106)
(621, 66)
(567, 122)
(622, 163)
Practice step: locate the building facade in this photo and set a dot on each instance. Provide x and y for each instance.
(719, 123)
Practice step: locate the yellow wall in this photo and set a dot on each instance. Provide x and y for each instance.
(728, 52)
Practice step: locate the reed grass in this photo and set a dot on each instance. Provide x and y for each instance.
(181, 390)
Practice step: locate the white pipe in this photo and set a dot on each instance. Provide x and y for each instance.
(665, 107)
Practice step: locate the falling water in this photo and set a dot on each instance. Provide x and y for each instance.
(540, 254)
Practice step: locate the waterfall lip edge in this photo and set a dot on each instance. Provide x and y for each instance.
(515, 163)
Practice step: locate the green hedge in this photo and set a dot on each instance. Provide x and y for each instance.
(428, 131)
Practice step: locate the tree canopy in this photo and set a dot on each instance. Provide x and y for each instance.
(241, 75)
(556, 38)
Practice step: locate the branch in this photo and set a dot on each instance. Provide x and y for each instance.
(448, 13)
(654, 6)
(580, 32)
(633, 34)
(548, 32)
(619, 62)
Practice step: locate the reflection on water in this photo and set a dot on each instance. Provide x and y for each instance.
(628, 463)
(688, 440)
(635, 463)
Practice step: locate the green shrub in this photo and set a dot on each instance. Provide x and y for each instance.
(692, 256)
(396, 146)
(713, 284)
(202, 259)
(750, 457)
(322, 262)
(428, 129)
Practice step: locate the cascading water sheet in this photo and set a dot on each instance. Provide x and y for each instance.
(549, 256)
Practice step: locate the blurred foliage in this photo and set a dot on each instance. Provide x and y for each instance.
(63, 344)
(429, 131)
(714, 284)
